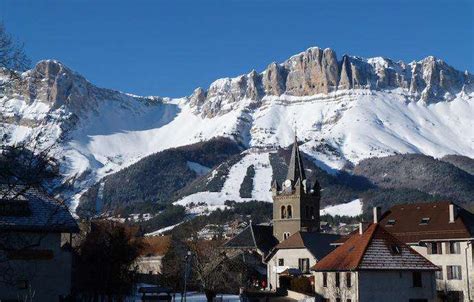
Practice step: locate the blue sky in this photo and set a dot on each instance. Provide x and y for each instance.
(168, 48)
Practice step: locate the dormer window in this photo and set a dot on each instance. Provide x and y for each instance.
(395, 249)
(390, 222)
(424, 221)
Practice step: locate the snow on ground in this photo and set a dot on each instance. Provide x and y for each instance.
(163, 230)
(191, 297)
(198, 168)
(263, 178)
(355, 124)
(352, 209)
(231, 187)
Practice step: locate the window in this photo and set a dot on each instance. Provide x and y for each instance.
(390, 222)
(454, 272)
(337, 277)
(348, 280)
(348, 300)
(281, 262)
(303, 265)
(325, 279)
(395, 249)
(424, 221)
(286, 235)
(434, 248)
(289, 212)
(338, 299)
(453, 247)
(417, 279)
(439, 274)
(283, 212)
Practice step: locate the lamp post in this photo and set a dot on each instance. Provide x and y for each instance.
(186, 260)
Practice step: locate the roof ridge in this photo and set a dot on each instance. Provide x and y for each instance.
(253, 235)
(395, 240)
(368, 243)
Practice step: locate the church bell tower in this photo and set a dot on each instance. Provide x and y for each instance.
(295, 202)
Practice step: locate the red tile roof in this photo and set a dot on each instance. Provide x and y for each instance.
(375, 249)
(406, 220)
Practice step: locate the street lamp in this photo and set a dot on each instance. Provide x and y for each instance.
(186, 260)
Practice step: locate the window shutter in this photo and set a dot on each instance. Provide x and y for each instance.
(449, 270)
(428, 248)
(448, 247)
(458, 268)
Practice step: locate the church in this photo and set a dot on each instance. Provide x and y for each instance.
(292, 243)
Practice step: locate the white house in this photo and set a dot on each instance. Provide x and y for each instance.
(373, 265)
(443, 233)
(296, 255)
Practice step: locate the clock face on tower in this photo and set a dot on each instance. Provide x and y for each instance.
(287, 183)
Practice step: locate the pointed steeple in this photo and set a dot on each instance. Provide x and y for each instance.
(295, 168)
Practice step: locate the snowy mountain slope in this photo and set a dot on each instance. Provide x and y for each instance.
(230, 190)
(345, 110)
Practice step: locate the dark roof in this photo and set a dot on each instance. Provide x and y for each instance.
(254, 237)
(295, 168)
(405, 222)
(44, 214)
(374, 249)
(318, 244)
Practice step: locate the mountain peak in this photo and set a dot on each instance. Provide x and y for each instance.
(319, 71)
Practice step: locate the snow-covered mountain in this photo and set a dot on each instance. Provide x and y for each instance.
(345, 110)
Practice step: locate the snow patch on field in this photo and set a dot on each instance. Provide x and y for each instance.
(351, 209)
(201, 202)
(163, 230)
(198, 168)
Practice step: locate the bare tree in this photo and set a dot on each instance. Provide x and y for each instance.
(106, 262)
(212, 269)
(12, 55)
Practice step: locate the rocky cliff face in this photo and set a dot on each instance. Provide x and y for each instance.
(53, 93)
(318, 71)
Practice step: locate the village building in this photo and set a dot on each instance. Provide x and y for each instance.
(296, 255)
(292, 243)
(442, 232)
(253, 245)
(35, 253)
(155, 248)
(373, 265)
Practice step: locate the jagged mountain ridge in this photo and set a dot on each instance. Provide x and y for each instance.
(345, 111)
(318, 71)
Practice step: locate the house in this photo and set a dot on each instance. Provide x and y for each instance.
(296, 255)
(253, 244)
(373, 265)
(34, 260)
(443, 232)
(151, 259)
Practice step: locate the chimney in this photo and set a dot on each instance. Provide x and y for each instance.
(452, 214)
(361, 228)
(377, 214)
